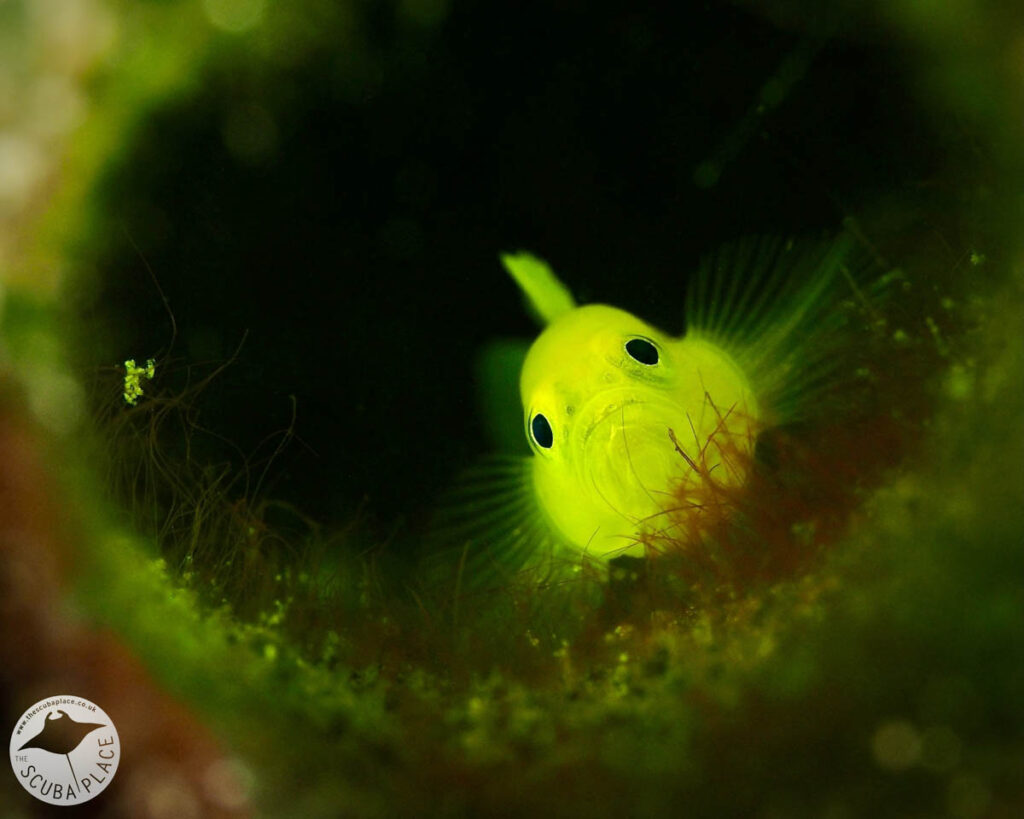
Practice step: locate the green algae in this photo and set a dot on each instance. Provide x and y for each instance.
(886, 681)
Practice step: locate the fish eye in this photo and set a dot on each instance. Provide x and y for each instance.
(541, 430)
(640, 349)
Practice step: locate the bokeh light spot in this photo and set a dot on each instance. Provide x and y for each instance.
(940, 749)
(896, 745)
(249, 133)
(228, 783)
(235, 16)
(22, 164)
(968, 797)
(423, 12)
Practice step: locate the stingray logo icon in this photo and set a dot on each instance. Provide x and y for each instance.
(65, 750)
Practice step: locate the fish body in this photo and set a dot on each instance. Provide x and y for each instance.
(634, 431)
(607, 400)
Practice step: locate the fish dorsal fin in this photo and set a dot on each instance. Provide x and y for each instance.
(546, 296)
(786, 310)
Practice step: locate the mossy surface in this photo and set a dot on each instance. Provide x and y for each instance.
(881, 677)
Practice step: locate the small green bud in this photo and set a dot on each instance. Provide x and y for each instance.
(133, 376)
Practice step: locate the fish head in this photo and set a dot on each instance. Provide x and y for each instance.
(607, 398)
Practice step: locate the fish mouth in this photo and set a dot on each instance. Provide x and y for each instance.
(631, 411)
(600, 408)
(637, 454)
(627, 455)
(642, 460)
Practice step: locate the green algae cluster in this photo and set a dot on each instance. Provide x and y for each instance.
(887, 680)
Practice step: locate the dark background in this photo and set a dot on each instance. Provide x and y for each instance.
(343, 210)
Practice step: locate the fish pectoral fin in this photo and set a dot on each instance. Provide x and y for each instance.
(489, 532)
(497, 369)
(794, 314)
(494, 554)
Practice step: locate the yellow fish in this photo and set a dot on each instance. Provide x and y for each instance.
(630, 427)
